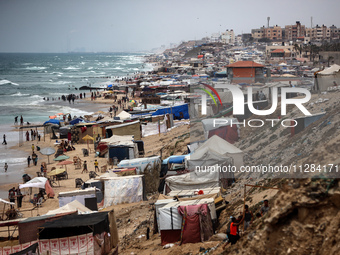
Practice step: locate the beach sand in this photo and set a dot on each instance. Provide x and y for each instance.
(100, 104)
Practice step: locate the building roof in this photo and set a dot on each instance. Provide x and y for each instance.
(278, 51)
(245, 64)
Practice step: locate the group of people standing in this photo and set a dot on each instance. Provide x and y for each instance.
(34, 135)
(13, 194)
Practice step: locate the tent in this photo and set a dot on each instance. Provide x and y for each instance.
(123, 115)
(76, 121)
(171, 220)
(327, 77)
(52, 121)
(125, 189)
(179, 111)
(128, 128)
(79, 195)
(119, 139)
(139, 163)
(222, 128)
(74, 206)
(192, 180)
(217, 145)
(94, 233)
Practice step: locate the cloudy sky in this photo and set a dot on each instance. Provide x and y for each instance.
(137, 25)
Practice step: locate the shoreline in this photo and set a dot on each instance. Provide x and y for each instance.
(86, 105)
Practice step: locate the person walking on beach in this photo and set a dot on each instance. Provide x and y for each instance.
(32, 148)
(28, 161)
(5, 167)
(34, 158)
(84, 167)
(21, 120)
(16, 120)
(96, 166)
(4, 142)
(27, 136)
(19, 197)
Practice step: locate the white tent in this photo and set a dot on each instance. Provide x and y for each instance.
(215, 144)
(119, 139)
(73, 206)
(123, 115)
(327, 77)
(193, 180)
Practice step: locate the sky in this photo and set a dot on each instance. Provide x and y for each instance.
(140, 25)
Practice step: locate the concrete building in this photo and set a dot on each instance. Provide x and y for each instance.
(258, 33)
(228, 37)
(245, 72)
(294, 32)
(274, 33)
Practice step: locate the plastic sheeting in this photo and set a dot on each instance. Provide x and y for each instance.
(153, 129)
(79, 195)
(179, 111)
(139, 163)
(128, 189)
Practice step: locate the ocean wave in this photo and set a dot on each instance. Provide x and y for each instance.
(18, 94)
(71, 68)
(6, 82)
(13, 161)
(33, 68)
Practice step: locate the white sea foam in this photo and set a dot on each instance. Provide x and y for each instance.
(71, 68)
(4, 82)
(33, 68)
(18, 94)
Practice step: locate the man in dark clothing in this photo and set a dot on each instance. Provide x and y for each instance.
(19, 197)
(4, 142)
(28, 161)
(21, 120)
(248, 218)
(11, 196)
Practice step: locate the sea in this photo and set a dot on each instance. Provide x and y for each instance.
(28, 79)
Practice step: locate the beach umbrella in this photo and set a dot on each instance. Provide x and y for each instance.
(56, 172)
(61, 158)
(132, 101)
(64, 163)
(87, 138)
(47, 151)
(52, 117)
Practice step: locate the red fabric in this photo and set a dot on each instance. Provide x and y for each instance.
(233, 229)
(170, 236)
(49, 190)
(69, 136)
(227, 133)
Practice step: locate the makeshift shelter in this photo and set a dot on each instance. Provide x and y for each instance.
(76, 121)
(192, 218)
(64, 131)
(139, 163)
(123, 115)
(79, 195)
(94, 233)
(179, 111)
(221, 127)
(128, 128)
(326, 78)
(122, 152)
(72, 207)
(119, 139)
(218, 145)
(125, 189)
(192, 180)
(41, 183)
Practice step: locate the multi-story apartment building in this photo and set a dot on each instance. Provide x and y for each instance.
(294, 32)
(273, 33)
(228, 36)
(258, 33)
(322, 33)
(334, 33)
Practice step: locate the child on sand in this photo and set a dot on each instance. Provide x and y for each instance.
(84, 167)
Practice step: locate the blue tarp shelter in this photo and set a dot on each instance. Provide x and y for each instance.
(179, 111)
(175, 159)
(52, 121)
(76, 121)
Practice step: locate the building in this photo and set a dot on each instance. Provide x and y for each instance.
(280, 51)
(258, 33)
(294, 32)
(228, 37)
(273, 33)
(245, 72)
(334, 33)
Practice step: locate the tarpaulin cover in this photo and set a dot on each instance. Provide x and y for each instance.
(175, 159)
(52, 121)
(76, 121)
(79, 195)
(227, 133)
(127, 189)
(70, 224)
(179, 111)
(20, 248)
(39, 182)
(170, 236)
(139, 163)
